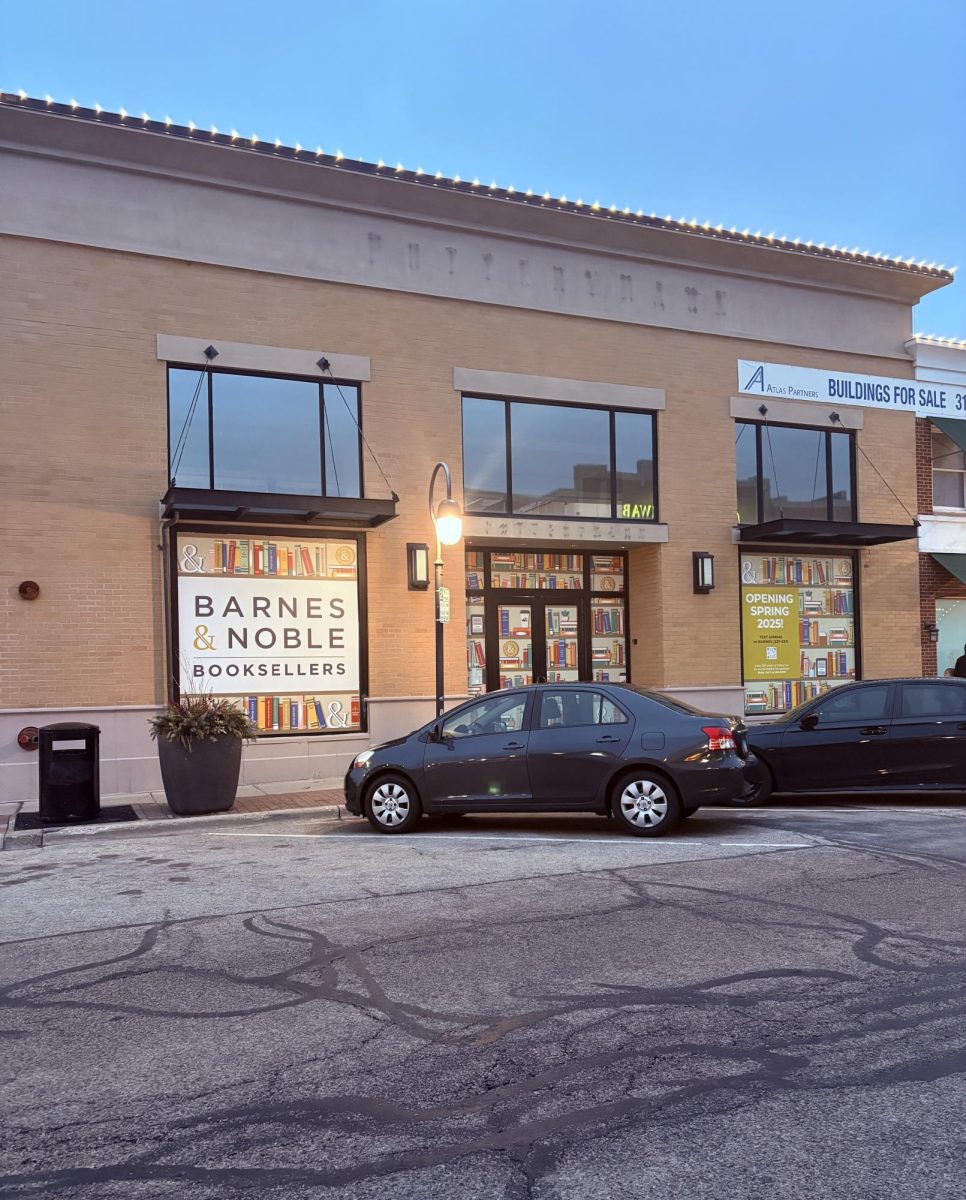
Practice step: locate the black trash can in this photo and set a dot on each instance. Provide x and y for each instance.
(70, 779)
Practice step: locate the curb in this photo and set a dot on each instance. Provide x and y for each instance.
(34, 839)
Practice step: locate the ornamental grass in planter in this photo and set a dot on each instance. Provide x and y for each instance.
(199, 746)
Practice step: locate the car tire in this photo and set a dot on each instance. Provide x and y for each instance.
(392, 805)
(760, 791)
(687, 812)
(646, 804)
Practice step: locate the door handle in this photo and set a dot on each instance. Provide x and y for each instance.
(514, 746)
(874, 729)
(608, 738)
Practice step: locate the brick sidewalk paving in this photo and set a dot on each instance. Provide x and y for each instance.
(157, 810)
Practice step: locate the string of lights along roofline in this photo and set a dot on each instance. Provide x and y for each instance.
(933, 339)
(254, 143)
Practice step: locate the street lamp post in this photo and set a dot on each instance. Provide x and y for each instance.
(447, 520)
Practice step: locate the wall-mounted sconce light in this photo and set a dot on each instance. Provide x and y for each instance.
(703, 572)
(417, 560)
(933, 631)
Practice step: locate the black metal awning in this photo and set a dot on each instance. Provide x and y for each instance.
(826, 533)
(203, 504)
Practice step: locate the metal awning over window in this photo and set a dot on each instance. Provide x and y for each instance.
(825, 533)
(955, 564)
(956, 430)
(204, 504)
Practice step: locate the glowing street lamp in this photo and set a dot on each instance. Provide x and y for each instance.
(447, 517)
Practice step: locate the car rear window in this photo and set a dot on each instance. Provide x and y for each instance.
(933, 700)
(659, 698)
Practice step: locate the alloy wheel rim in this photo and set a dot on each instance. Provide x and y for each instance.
(643, 803)
(390, 804)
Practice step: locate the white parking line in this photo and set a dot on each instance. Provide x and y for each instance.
(627, 843)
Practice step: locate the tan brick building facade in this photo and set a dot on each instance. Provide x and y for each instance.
(115, 239)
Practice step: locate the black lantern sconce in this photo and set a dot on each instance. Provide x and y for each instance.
(703, 564)
(933, 631)
(417, 566)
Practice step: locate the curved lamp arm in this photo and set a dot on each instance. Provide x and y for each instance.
(444, 467)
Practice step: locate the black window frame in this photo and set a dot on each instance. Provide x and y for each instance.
(509, 511)
(211, 372)
(759, 427)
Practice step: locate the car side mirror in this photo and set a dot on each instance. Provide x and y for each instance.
(809, 721)
(436, 733)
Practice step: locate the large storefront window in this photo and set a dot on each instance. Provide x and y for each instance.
(273, 623)
(544, 617)
(256, 433)
(558, 460)
(948, 472)
(789, 471)
(798, 628)
(951, 620)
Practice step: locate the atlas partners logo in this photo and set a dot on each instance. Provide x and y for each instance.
(757, 381)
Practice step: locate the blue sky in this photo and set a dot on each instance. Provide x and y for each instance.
(841, 121)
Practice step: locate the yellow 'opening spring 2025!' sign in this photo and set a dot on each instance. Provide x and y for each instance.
(770, 632)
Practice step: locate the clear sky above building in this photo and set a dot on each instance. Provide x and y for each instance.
(839, 121)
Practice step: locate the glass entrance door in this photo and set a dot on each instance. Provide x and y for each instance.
(544, 616)
(515, 642)
(537, 641)
(562, 642)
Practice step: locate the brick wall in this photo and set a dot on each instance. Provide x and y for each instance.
(924, 465)
(82, 400)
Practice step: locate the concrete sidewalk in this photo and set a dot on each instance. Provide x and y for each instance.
(266, 800)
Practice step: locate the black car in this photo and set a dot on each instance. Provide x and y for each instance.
(899, 735)
(613, 749)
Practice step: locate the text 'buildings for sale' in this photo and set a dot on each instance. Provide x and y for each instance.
(710, 462)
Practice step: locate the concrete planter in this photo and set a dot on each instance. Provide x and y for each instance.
(203, 779)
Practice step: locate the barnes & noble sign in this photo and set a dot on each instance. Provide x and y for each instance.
(275, 623)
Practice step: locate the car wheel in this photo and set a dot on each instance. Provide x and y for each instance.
(759, 791)
(392, 805)
(646, 805)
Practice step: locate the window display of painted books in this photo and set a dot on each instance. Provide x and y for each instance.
(475, 645)
(606, 573)
(609, 645)
(315, 559)
(474, 570)
(562, 641)
(559, 572)
(516, 645)
(302, 714)
(803, 572)
(779, 697)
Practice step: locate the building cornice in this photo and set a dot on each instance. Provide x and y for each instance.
(226, 159)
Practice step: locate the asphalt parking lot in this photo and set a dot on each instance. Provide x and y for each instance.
(768, 1002)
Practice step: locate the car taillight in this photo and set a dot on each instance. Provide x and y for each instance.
(718, 738)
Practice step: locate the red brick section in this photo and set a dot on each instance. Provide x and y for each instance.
(321, 798)
(924, 465)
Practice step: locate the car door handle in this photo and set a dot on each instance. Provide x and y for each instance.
(514, 745)
(874, 729)
(608, 737)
